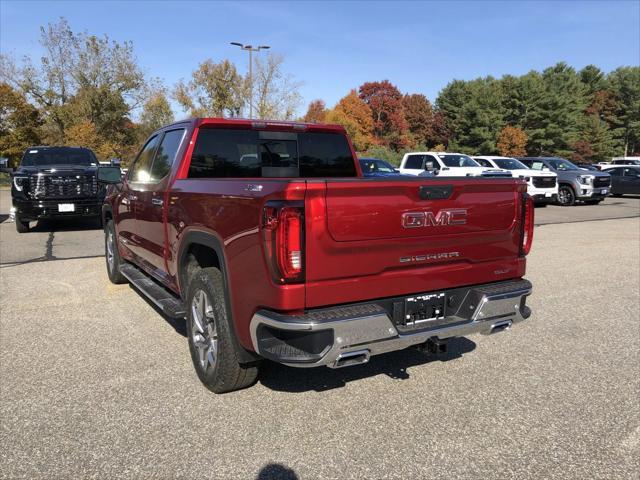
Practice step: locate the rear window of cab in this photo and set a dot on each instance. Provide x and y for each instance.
(237, 153)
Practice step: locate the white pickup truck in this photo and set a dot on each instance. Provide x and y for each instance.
(445, 164)
(541, 185)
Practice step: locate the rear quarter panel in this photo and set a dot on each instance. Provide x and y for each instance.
(227, 210)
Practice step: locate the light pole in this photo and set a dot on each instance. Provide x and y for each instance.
(250, 49)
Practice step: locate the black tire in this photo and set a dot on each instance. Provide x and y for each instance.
(213, 349)
(566, 196)
(112, 256)
(22, 226)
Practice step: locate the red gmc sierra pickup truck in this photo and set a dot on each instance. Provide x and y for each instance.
(271, 244)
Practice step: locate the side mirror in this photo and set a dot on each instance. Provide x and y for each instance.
(109, 175)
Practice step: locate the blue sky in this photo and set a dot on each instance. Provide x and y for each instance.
(334, 46)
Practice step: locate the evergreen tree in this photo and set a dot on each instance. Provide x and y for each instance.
(625, 84)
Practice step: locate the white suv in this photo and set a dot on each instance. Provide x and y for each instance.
(445, 164)
(541, 185)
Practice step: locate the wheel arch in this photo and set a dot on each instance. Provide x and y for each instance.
(207, 251)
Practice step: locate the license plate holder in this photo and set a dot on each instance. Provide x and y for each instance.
(425, 308)
(66, 207)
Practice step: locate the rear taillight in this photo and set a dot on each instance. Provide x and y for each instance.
(527, 224)
(283, 235)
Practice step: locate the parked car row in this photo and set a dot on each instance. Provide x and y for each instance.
(53, 182)
(549, 179)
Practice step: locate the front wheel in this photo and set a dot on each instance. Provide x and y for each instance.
(22, 226)
(212, 347)
(566, 197)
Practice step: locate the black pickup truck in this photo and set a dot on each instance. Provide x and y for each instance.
(53, 182)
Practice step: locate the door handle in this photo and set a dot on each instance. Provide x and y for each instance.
(157, 201)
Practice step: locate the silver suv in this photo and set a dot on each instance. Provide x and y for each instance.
(574, 183)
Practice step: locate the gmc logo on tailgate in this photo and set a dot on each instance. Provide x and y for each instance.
(457, 216)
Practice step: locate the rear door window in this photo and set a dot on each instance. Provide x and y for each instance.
(229, 153)
(415, 162)
(483, 162)
(166, 154)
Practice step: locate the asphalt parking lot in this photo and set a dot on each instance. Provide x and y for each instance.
(94, 383)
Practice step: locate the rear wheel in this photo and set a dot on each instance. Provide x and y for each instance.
(212, 347)
(112, 255)
(22, 226)
(566, 196)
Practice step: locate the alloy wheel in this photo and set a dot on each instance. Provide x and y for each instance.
(204, 334)
(565, 196)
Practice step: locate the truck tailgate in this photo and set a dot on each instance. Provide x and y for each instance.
(378, 238)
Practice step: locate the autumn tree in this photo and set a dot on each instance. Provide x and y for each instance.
(275, 93)
(512, 142)
(316, 112)
(355, 115)
(20, 123)
(418, 113)
(81, 79)
(385, 101)
(156, 112)
(214, 90)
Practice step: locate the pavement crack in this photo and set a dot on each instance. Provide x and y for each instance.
(48, 253)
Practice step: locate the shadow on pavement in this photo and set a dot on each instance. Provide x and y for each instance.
(288, 379)
(179, 325)
(276, 471)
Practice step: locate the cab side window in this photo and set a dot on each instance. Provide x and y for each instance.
(483, 162)
(166, 154)
(141, 169)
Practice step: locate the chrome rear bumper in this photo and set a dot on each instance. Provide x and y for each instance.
(338, 336)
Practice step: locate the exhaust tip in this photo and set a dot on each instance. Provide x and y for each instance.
(500, 326)
(352, 358)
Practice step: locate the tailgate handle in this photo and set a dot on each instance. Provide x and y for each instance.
(435, 192)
